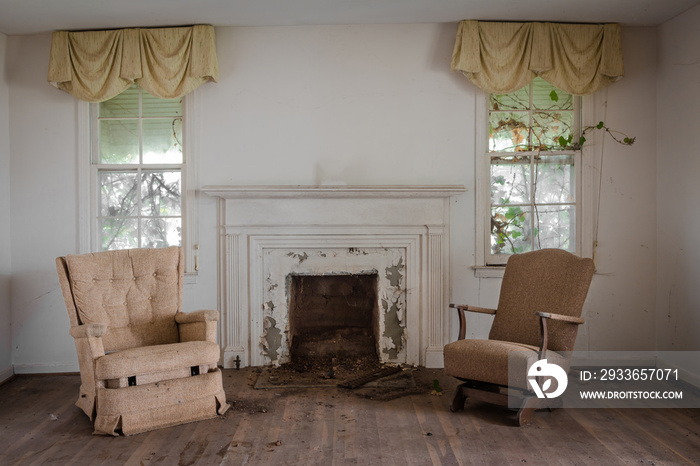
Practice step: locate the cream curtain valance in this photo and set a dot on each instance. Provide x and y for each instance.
(167, 63)
(503, 57)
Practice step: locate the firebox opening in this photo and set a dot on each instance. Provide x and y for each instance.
(333, 317)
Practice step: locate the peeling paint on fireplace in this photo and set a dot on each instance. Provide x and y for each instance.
(393, 273)
(391, 341)
(271, 339)
(300, 257)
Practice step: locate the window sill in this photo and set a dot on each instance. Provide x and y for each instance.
(489, 271)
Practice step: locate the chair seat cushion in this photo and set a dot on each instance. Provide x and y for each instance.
(157, 358)
(487, 361)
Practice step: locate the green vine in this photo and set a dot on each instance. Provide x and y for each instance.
(507, 224)
(568, 144)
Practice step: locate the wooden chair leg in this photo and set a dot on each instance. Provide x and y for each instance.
(459, 400)
(528, 407)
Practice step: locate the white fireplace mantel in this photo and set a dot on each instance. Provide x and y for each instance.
(333, 191)
(262, 224)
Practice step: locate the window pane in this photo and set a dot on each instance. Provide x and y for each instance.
(118, 193)
(119, 233)
(510, 230)
(119, 141)
(555, 180)
(510, 180)
(548, 127)
(155, 107)
(160, 232)
(162, 140)
(543, 99)
(123, 105)
(508, 131)
(556, 228)
(160, 193)
(518, 100)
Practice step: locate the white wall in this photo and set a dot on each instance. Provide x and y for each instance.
(621, 304)
(5, 259)
(678, 120)
(304, 105)
(352, 104)
(43, 212)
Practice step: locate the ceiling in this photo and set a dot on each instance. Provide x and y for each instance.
(19, 17)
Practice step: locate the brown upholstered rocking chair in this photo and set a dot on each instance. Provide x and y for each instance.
(144, 364)
(538, 314)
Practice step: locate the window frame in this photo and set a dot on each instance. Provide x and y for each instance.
(88, 203)
(586, 166)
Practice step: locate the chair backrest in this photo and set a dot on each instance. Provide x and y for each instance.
(548, 280)
(134, 292)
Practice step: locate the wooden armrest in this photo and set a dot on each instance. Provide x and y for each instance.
(561, 317)
(464, 307)
(462, 319)
(196, 316)
(88, 330)
(544, 316)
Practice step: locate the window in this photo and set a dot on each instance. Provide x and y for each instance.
(529, 173)
(137, 174)
(138, 161)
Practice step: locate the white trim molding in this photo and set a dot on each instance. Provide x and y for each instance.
(337, 229)
(47, 368)
(7, 374)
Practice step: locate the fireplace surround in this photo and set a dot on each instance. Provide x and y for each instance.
(270, 234)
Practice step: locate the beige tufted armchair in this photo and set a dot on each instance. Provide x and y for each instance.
(539, 311)
(144, 364)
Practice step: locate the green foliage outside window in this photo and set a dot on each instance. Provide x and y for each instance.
(533, 144)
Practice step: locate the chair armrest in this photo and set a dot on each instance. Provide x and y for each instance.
(561, 317)
(196, 316)
(544, 316)
(462, 318)
(88, 343)
(464, 307)
(197, 325)
(88, 330)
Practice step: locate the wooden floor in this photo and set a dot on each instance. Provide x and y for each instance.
(40, 425)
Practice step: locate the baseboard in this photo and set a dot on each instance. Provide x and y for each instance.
(6, 375)
(50, 368)
(434, 358)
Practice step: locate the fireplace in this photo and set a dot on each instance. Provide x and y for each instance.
(275, 238)
(380, 276)
(333, 317)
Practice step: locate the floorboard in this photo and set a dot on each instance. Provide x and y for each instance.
(39, 424)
